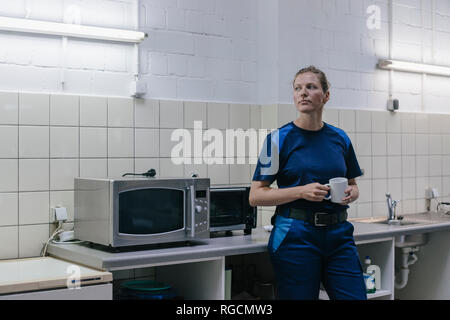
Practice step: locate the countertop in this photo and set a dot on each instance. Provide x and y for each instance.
(224, 246)
(21, 275)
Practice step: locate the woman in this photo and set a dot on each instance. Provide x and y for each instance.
(311, 242)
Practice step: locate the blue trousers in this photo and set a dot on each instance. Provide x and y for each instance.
(309, 255)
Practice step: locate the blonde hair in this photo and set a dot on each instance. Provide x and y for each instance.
(322, 77)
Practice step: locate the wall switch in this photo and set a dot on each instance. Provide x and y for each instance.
(393, 104)
(138, 88)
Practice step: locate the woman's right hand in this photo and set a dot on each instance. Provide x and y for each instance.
(314, 191)
(261, 194)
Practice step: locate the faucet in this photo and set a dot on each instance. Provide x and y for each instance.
(391, 207)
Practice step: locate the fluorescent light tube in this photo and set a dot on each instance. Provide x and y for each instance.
(413, 67)
(70, 30)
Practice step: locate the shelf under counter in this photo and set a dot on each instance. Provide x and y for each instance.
(381, 293)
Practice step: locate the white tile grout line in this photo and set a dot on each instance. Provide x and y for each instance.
(18, 148)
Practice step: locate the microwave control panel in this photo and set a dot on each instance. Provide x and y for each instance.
(201, 211)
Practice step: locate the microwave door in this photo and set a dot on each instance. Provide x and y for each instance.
(227, 209)
(150, 215)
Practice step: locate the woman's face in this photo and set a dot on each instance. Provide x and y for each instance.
(308, 93)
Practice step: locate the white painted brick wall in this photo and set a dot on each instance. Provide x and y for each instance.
(335, 35)
(207, 49)
(234, 50)
(34, 63)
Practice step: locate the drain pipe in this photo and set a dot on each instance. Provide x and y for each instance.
(407, 254)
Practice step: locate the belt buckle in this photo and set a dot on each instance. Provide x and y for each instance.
(316, 218)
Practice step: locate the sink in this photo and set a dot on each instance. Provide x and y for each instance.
(408, 240)
(409, 219)
(398, 222)
(411, 240)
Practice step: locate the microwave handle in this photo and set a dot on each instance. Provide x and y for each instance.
(192, 211)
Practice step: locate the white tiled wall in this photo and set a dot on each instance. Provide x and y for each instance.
(47, 140)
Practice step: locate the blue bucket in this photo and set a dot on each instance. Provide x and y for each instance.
(146, 290)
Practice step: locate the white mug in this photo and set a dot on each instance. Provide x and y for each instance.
(337, 189)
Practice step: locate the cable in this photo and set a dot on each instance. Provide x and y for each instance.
(150, 173)
(58, 230)
(445, 204)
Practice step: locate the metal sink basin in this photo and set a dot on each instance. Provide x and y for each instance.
(411, 240)
(414, 239)
(409, 219)
(398, 222)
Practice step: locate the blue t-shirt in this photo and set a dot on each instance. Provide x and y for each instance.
(296, 157)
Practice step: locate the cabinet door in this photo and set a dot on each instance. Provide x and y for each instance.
(94, 292)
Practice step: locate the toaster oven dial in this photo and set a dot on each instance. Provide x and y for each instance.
(198, 209)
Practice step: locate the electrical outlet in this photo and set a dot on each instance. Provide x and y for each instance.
(60, 214)
(434, 192)
(67, 235)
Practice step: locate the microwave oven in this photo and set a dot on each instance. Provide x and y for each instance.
(230, 209)
(141, 211)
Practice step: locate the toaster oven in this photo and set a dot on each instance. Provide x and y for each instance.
(230, 209)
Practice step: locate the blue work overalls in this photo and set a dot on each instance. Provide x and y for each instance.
(304, 255)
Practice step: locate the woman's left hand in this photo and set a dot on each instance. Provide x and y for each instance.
(352, 193)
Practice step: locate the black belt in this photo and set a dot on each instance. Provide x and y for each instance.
(318, 219)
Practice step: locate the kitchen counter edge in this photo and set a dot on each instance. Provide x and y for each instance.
(214, 247)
